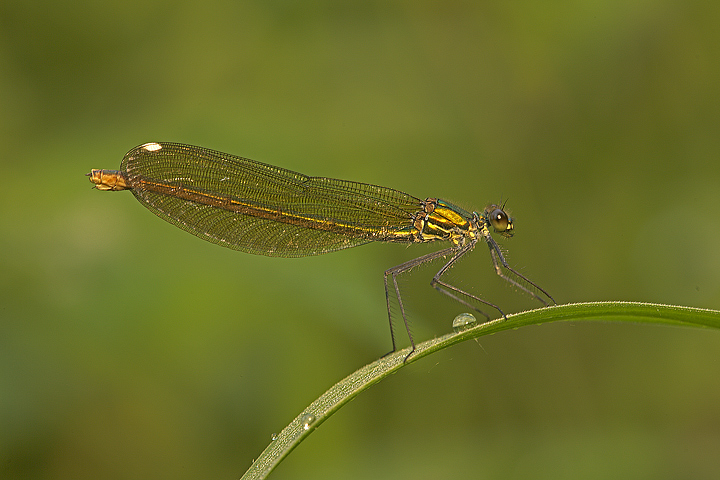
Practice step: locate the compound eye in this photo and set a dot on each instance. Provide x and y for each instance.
(499, 220)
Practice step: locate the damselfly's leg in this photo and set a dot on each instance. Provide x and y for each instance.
(393, 273)
(497, 256)
(447, 289)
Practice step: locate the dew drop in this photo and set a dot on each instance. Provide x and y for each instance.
(274, 437)
(307, 420)
(464, 321)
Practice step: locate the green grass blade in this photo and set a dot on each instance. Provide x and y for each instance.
(343, 391)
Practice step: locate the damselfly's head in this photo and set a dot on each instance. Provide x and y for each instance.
(500, 221)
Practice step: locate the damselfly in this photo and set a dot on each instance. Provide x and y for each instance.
(258, 208)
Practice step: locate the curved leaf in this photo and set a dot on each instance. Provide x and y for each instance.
(345, 390)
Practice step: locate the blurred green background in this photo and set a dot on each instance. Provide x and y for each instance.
(130, 349)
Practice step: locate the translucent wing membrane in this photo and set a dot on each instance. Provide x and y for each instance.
(262, 209)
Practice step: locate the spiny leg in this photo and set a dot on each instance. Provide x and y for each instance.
(496, 255)
(400, 269)
(387, 301)
(444, 287)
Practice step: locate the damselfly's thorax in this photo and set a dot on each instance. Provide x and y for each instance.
(441, 220)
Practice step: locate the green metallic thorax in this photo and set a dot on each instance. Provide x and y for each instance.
(441, 220)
